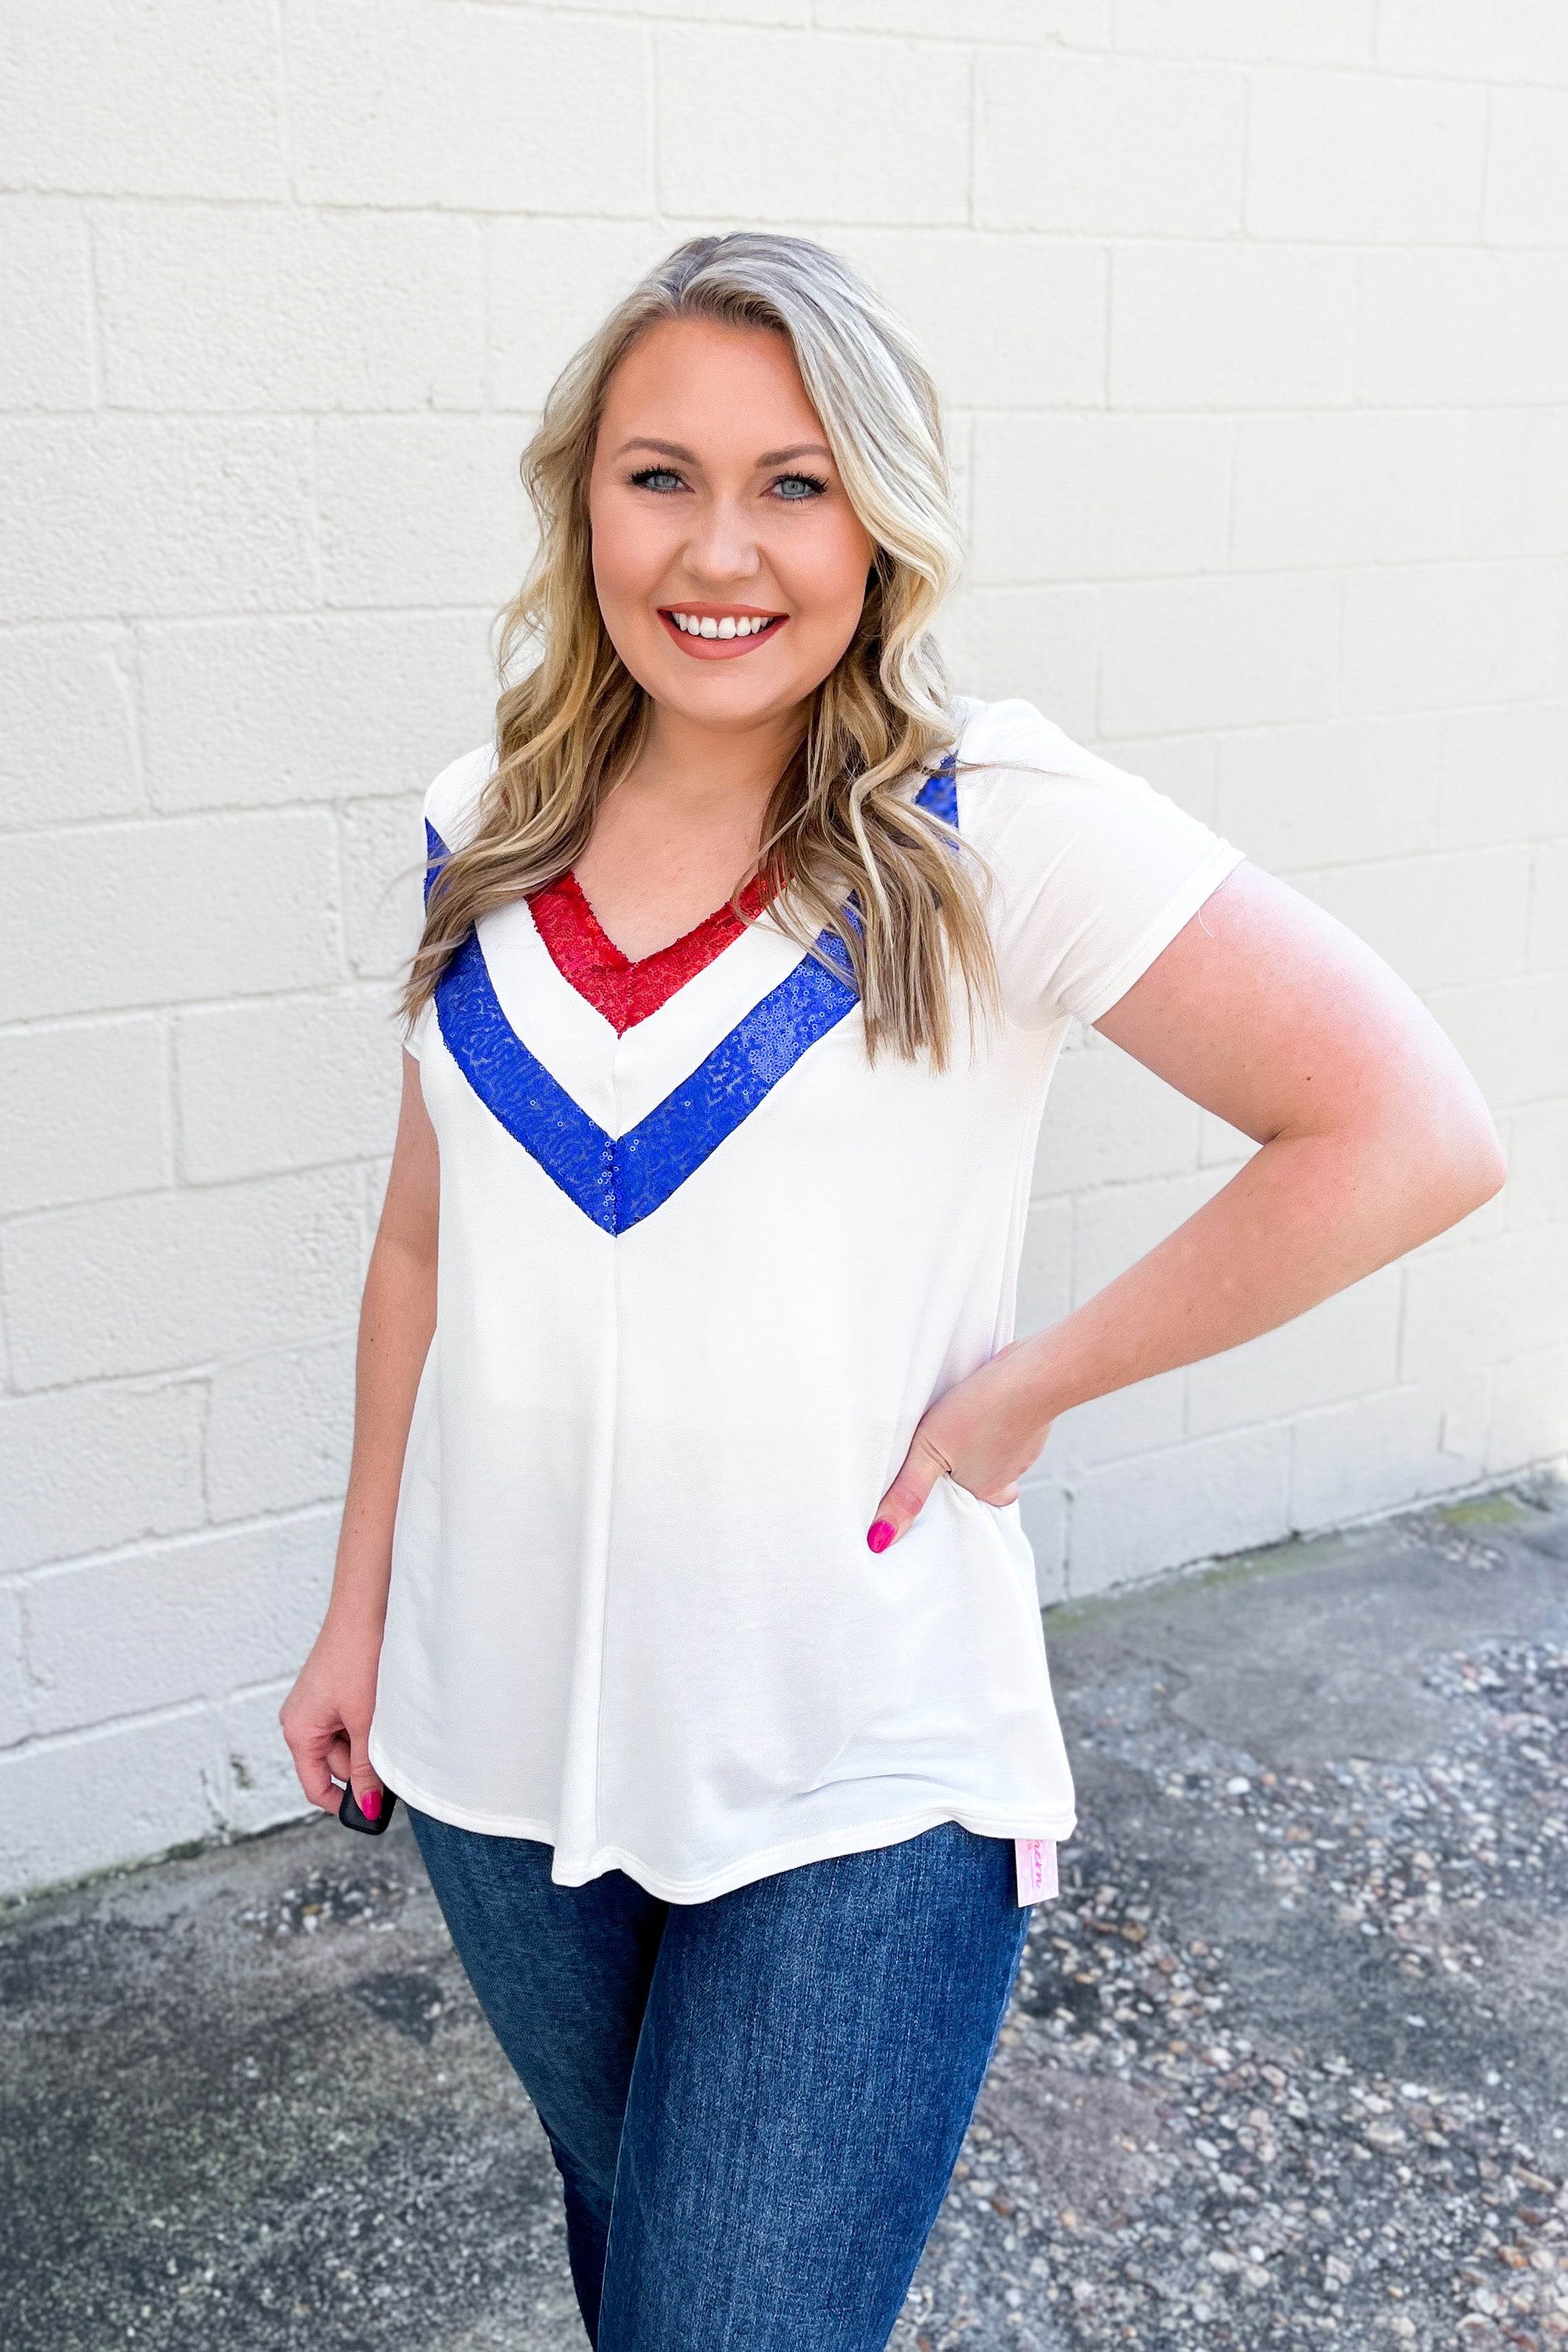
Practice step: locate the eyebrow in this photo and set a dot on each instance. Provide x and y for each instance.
(690, 458)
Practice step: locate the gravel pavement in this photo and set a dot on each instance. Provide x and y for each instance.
(1287, 2063)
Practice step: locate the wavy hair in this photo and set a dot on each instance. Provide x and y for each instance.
(841, 824)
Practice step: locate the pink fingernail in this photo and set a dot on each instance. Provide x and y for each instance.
(370, 1804)
(880, 1534)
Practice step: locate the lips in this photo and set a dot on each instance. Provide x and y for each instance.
(719, 632)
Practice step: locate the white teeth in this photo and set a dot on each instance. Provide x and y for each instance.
(732, 625)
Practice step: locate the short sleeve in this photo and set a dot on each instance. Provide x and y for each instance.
(447, 819)
(418, 1037)
(452, 804)
(1094, 871)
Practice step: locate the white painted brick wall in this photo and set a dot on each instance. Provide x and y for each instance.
(1253, 324)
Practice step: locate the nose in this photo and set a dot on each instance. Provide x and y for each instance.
(722, 550)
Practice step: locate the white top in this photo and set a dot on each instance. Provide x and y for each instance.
(699, 1282)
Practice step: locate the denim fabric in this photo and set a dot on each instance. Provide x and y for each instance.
(755, 2103)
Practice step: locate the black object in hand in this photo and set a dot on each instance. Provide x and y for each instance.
(348, 1814)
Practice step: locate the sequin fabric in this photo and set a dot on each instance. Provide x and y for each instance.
(624, 990)
(939, 793)
(513, 1086)
(618, 1181)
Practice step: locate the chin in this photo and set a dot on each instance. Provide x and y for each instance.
(719, 693)
(724, 706)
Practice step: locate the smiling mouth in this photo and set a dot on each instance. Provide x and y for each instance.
(713, 632)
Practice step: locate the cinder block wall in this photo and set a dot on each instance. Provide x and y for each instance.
(1253, 320)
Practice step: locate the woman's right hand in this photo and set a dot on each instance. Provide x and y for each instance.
(325, 1718)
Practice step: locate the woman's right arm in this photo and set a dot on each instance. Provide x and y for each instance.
(325, 1718)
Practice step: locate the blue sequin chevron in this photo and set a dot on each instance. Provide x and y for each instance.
(617, 1180)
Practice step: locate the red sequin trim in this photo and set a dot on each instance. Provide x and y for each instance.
(624, 991)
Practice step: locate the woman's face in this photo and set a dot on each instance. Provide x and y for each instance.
(730, 566)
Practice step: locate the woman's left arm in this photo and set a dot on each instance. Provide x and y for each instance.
(1373, 1134)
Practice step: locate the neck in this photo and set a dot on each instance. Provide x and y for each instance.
(678, 833)
(695, 771)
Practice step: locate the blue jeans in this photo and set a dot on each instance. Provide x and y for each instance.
(755, 2103)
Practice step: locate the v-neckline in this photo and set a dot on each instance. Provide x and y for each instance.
(627, 989)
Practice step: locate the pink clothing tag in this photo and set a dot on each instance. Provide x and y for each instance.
(1036, 1868)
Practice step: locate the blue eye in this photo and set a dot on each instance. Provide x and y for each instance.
(658, 478)
(795, 490)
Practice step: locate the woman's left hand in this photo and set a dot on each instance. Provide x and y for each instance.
(984, 1434)
(1374, 1137)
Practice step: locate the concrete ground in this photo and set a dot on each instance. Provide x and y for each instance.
(1286, 2061)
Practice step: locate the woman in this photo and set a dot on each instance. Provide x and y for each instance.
(711, 1668)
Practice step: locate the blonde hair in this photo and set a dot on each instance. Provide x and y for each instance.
(842, 819)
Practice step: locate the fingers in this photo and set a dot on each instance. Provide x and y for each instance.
(905, 1499)
(983, 1433)
(347, 1758)
(361, 1774)
(326, 1754)
(312, 1753)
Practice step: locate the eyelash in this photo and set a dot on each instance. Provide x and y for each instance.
(649, 475)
